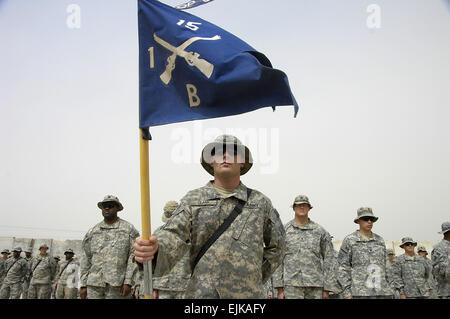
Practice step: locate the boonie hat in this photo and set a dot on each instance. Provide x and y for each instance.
(70, 251)
(407, 240)
(364, 212)
(228, 141)
(168, 210)
(422, 248)
(110, 198)
(301, 199)
(445, 228)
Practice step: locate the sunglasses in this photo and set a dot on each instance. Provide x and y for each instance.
(408, 244)
(109, 205)
(368, 218)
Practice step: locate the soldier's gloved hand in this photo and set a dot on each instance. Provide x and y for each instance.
(145, 250)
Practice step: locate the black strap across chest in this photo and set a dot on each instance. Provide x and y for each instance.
(226, 223)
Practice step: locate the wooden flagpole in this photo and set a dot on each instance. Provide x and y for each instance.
(145, 207)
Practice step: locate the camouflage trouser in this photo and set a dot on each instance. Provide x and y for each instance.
(65, 292)
(372, 297)
(25, 286)
(39, 291)
(11, 291)
(291, 292)
(108, 292)
(170, 294)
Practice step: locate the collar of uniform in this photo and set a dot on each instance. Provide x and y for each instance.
(309, 225)
(240, 192)
(409, 257)
(112, 226)
(362, 238)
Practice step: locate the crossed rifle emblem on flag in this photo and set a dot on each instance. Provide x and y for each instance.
(192, 58)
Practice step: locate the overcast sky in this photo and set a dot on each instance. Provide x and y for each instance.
(372, 129)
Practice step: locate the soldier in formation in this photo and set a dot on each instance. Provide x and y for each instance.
(107, 263)
(362, 261)
(43, 271)
(307, 269)
(15, 271)
(236, 261)
(389, 275)
(172, 285)
(5, 255)
(27, 279)
(440, 258)
(66, 283)
(410, 272)
(422, 251)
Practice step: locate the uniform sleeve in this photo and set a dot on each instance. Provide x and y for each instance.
(327, 252)
(278, 275)
(439, 263)
(274, 244)
(86, 256)
(345, 268)
(173, 241)
(131, 265)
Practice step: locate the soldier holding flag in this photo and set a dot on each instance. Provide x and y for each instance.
(234, 261)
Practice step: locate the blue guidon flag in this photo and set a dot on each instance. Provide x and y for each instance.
(190, 69)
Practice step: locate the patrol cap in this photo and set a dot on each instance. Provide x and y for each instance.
(168, 210)
(422, 248)
(390, 251)
(5, 251)
(28, 250)
(17, 248)
(229, 141)
(69, 251)
(301, 199)
(57, 257)
(407, 240)
(364, 212)
(43, 246)
(445, 228)
(110, 198)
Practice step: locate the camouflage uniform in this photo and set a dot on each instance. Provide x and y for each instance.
(240, 260)
(173, 285)
(107, 260)
(390, 277)
(307, 268)
(43, 271)
(27, 279)
(269, 289)
(440, 258)
(362, 267)
(66, 281)
(411, 276)
(15, 271)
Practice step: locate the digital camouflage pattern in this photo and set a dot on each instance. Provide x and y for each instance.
(176, 280)
(269, 290)
(440, 258)
(12, 283)
(309, 257)
(27, 279)
(362, 266)
(108, 254)
(43, 269)
(411, 276)
(66, 271)
(243, 257)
